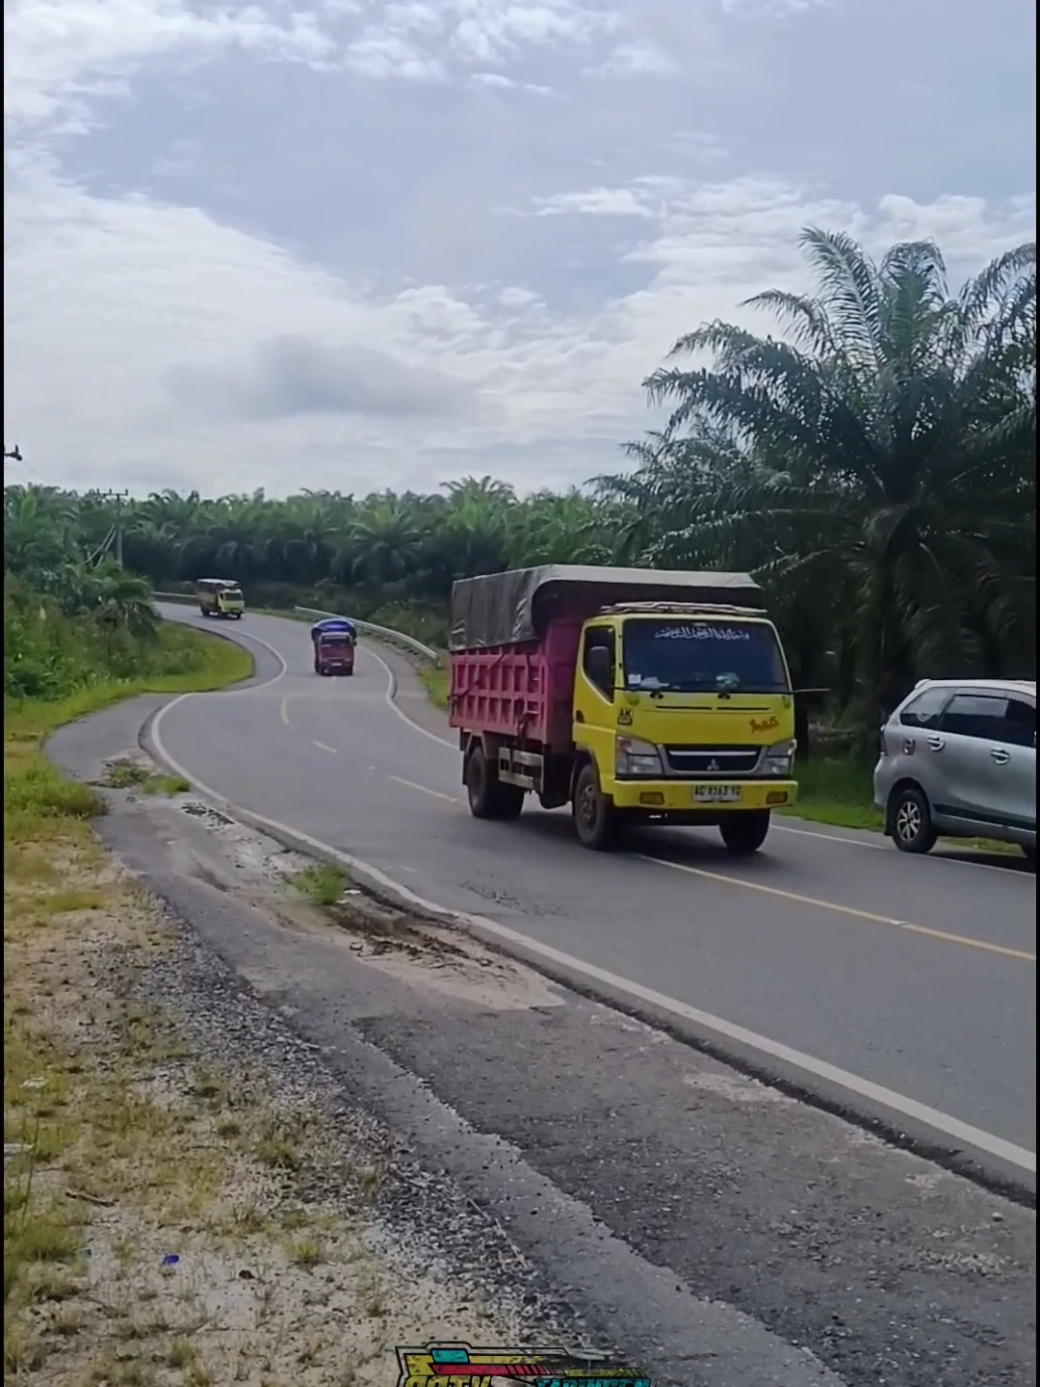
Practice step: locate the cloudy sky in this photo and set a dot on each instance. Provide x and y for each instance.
(356, 244)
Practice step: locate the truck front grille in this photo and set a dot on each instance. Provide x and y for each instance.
(712, 760)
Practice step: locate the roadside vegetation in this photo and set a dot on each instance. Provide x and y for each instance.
(874, 466)
(161, 1224)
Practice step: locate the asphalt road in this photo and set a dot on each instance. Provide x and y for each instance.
(829, 951)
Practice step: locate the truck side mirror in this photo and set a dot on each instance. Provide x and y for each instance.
(601, 669)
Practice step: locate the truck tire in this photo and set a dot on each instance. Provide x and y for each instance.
(596, 820)
(488, 797)
(744, 833)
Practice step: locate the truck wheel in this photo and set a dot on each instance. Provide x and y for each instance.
(488, 797)
(745, 833)
(595, 818)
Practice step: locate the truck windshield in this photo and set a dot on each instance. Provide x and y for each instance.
(232, 594)
(686, 654)
(336, 639)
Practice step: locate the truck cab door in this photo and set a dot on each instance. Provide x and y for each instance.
(595, 714)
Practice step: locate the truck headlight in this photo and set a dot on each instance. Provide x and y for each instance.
(636, 758)
(779, 759)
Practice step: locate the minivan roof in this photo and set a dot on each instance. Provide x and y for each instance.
(1012, 685)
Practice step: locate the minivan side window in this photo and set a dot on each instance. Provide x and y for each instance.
(926, 709)
(1019, 727)
(983, 716)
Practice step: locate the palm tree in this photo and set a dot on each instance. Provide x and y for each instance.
(881, 458)
(122, 602)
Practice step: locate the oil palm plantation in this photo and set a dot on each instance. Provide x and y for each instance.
(876, 464)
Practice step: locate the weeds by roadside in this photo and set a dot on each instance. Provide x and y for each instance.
(435, 681)
(323, 882)
(157, 1223)
(126, 774)
(836, 791)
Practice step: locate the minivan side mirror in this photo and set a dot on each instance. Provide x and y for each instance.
(601, 669)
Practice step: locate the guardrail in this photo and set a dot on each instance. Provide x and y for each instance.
(385, 633)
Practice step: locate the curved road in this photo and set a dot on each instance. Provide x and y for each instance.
(915, 975)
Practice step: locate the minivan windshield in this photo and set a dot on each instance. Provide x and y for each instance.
(692, 655)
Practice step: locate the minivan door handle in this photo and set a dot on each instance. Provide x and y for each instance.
(936, 743)
(1001, 756)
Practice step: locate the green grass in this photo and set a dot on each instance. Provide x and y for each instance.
(46, 841)
(322, 882)
(841, 793)
(131, 775)
(837, 792)
(205, 663)
(38, 801)
(435, 680)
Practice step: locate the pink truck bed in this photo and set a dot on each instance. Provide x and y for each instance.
(523, 691)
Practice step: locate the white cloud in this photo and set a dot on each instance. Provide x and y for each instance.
(60, 56)
(515, 297)
(597, 202)
(507, 344)
(503, 83)
(640, 58)
(105, 297)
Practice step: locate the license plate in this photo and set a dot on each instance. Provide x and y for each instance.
(716, 794)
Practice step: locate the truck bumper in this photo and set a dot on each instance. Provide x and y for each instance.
(710, 797)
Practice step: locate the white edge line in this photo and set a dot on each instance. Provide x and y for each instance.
(388, 699)
(436, 794)
(885, 846)
(242, 635)
(949, 1126)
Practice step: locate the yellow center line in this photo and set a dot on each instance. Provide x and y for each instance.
(283, 712)
(423, 789)
(966, 940)
(321, 745)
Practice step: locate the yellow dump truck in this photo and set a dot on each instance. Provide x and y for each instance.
(632, 695)
(219, 597)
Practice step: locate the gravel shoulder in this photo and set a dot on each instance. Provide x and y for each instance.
(187, 1199)
(594, 1178)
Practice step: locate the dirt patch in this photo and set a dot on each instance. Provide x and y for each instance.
(302, 894)
(168, 1221)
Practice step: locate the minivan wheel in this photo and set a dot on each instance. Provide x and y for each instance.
(911, 820)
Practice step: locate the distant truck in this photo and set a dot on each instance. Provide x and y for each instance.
(334, 640)
(219, 597)
(629, 694)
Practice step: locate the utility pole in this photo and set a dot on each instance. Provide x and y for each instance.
(119, 497)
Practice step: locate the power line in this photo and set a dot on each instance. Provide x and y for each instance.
(15, 455)
(117, 529)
